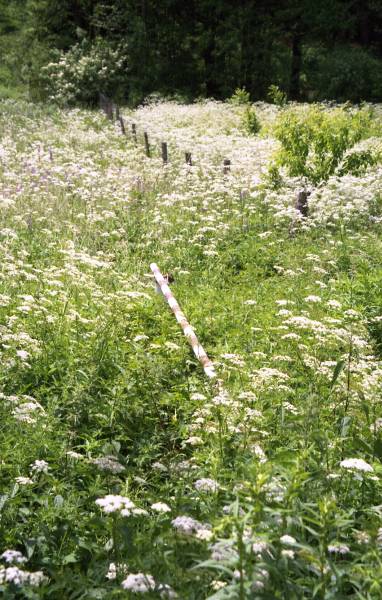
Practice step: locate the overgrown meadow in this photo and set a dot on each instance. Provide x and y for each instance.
(124, 471)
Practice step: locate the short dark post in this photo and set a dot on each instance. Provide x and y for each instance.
(147, 145)
(122, 123)
(109, 110)
(134, 132)
(302, 202)
(164, 153)
(116, 112)
(226, 166)
(102, 102)
(188, 158)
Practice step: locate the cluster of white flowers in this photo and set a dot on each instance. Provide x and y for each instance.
(288, 540)
(161, 507)
(139, 583)
(13, 556)
(189, 526)
(356, 464)
(206, 485)
(338, 548)
(108, 463)
(40, 466)
(115, 503)
(15, 575)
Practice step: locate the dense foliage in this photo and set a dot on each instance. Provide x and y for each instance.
(124, 471)
(313, 49)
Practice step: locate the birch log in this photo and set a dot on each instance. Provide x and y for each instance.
(188, 331)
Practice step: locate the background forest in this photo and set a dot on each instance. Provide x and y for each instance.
(68, 50)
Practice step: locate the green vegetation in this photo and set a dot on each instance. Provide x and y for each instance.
(125, 471)
(314, 142)
(301, 49)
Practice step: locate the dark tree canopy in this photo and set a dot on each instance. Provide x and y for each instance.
(310, 48)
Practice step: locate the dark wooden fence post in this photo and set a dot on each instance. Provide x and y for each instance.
(147, 145)
(134, 132)
(302, 202)
(109, 109)
(116, 112)
(122, 123)
(226, 166)
(164, 153)
(102, 102)
(188, 158)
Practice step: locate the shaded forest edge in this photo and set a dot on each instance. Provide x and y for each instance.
(67, 50)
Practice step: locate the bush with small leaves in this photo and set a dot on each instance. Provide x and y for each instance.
(314, 141)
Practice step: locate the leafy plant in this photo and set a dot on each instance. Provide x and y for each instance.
(277, 96)
(78, 75)
(359, 161)
(240, 97)
(314, 141)
(251, 121)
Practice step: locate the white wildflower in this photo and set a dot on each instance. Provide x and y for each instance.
(36, 578)
(138, 512)
(362, 537)
(24, 480)
(166, 591)
(193, 441)
(112, 572)
(224, 550)
(356, 464)
(139, 583)
(197, 396)
(108, 463)
(217, 584)
(40, 466)
(204, 535)
(334, 304)
(186, 525)
(74, 455)
(288, 540)
(111, 503)
(158, 466)
(287, 553)
(338, 548)
(377, 425)
(13, 556)
(161, 507)
(313, 299)
(259, 546)
(206, 485)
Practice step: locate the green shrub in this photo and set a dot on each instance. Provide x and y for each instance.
(78, 75)
(240, 96)
(314, 142)
(277, 96)
(357, 162)
(251, 122)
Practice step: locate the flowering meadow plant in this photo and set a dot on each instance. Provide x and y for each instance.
(124, 472)
(82, 72)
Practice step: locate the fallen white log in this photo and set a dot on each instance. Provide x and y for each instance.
(190, 334)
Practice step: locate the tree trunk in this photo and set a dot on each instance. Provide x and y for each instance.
(296, 66)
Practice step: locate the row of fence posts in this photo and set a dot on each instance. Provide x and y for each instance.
(112, 112)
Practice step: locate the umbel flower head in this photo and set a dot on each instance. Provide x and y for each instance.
(356, 464)
(111, 503)
(139, 583)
